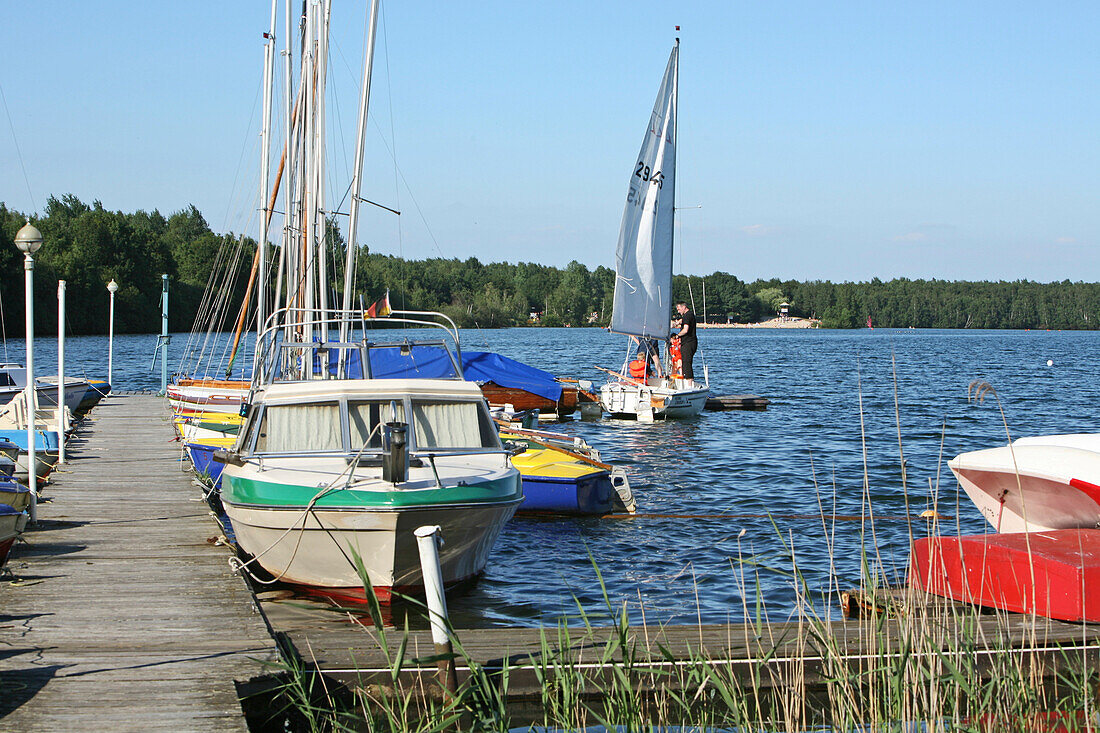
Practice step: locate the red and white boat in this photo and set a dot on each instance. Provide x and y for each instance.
(198, 397)
(1036, 484)
(1042, 496)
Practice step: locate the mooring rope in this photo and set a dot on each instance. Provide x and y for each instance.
(835, 517)
(236, 564)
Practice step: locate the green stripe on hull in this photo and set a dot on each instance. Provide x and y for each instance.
(245, 491)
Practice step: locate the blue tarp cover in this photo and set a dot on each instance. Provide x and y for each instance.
(477, 366)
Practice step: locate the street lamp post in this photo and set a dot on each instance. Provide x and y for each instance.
(28, 240)
(112, 288)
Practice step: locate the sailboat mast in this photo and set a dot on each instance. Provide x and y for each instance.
(357, 176)
(306, 277)
(288, 88)
(322, 211)
(675, 160)
(265, 153)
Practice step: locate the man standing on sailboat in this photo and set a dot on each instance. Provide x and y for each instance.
(688, 341)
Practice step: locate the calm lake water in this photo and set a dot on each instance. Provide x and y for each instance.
(706, 487)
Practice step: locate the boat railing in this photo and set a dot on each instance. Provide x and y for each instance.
(297, 344)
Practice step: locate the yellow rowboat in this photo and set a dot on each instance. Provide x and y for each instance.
(560, 480)
(210, 426)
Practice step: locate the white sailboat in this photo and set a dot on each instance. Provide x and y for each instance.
(643, 270)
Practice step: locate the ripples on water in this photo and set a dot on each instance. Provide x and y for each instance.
(748, 464)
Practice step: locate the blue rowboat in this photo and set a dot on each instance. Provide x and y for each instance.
(565, 488)
(202, 458)
(45, 440)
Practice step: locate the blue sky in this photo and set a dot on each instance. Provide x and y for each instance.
(837, 141)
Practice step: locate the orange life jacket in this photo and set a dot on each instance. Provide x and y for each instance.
(638, 369)
(674, 355)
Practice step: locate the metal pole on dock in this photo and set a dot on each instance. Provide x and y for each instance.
(164, 337)
(112, 288)
(28, 240)
(61, 371)
(428, 541)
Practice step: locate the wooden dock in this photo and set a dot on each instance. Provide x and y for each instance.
(769, 655)
(125, 614)
(737, 402)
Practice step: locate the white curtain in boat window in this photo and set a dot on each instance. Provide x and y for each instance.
(363, 418)
(300, 429)
(643, 257)
(439, 425)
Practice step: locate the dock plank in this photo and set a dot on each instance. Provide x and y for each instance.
(126, 614)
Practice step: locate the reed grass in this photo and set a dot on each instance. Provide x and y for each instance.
(921, 666)
(907, 662)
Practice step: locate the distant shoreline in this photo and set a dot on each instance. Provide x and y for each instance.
(773, 323)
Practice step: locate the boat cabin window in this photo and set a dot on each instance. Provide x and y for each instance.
(364, 418)
(452, 425)
(311, 428)
(6, 380)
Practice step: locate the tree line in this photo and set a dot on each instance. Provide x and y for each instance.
(87, 245)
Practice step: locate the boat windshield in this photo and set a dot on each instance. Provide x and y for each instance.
(310, 428)
(364, 418)
(442, 425)
(435, 425)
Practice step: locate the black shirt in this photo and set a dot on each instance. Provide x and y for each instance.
(688, 319)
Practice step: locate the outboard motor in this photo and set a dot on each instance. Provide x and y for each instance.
(395, 452)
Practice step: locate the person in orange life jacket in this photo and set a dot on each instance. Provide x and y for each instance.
(639, 368)
(653, 352)
(685, 331)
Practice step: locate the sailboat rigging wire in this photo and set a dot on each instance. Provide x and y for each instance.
(4, 329)
(215, 309)
(393, 157)
(331, 89)
(208, 298)
(244, 148)
(19, 153)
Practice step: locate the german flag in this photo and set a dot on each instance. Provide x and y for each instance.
(381, 309)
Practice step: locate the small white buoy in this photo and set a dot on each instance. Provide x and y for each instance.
(1050, 362)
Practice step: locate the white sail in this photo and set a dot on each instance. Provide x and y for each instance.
(643, 259)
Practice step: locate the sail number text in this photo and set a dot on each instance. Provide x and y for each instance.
(654, 177)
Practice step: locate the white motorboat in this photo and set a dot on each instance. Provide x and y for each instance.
(1035, 484)
(329, 468)
(13, 380)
